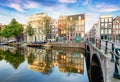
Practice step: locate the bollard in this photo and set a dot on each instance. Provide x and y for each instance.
(112, 55)
(116, 70)
(99, 44)
(106, 43)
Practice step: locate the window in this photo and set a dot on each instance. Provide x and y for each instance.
(106, 20)
(109, 31)
(70, 18)
(102, 24)
(83, 22)
(116, 31)
(102, 20)
(105, 31)
(110, 24)
(102, 31)
(117, 26)
(110, 19)
(113, 26)
(105, 25)
(79, 17)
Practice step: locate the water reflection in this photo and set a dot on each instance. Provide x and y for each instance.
(15, 58)
(53, 62)
(44, 60)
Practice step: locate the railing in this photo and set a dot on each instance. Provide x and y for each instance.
(115, 55)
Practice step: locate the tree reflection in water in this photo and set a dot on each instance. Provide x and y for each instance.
(31, 58)
(15, 59)
(48, 61)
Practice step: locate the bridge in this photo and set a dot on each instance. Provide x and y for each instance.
(102, 61)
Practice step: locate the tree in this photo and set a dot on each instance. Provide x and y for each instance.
(6, 32)
(0, 31)
(16, 28)
(13, 29)
(30, 30)
(47, 28)
(70, 26)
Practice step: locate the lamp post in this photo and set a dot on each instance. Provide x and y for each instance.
(106, 44)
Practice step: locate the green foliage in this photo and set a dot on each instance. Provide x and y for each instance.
(15, 59)
(70, 24)
(13, 29)
(30, 30)
(7, 32)
(31, 58)
(47, 28)
(0, 31)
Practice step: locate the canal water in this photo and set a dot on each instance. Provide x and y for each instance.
(42, 65)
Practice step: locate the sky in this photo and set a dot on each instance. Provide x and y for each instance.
(93, 9)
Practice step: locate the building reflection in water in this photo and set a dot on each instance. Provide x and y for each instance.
(43, 60)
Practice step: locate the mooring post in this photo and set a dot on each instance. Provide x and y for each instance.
(112, 54)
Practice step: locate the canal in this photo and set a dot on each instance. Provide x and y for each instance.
(42, 65)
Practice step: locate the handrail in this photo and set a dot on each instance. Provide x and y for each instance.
(115, 55)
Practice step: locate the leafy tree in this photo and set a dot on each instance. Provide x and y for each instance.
(16, 28)
(47, 28)
(13, 29)
(31, 58)
(6, 32)
(0, 31)
(30, 30)
(70, 26)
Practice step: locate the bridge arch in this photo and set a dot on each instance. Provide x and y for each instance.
(87, 57)
(96, 74)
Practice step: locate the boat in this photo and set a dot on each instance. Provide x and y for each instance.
(47, 46)
(3, 44)
(34, 45)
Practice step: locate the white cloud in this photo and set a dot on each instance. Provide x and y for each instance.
(103, 8)
(68, 1)
(86, 2)
(20, 5)
(30, 4)
(16, 6)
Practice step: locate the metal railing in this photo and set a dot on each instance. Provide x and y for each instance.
(115, 55)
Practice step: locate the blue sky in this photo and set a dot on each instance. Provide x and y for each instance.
(93, 9)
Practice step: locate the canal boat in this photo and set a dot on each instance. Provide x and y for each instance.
(47, 46)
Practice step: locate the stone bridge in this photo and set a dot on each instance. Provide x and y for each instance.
(99, 67)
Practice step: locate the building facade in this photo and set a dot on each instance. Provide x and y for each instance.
(116, 29)
(94, 33)
(37, 23)
(106, 27)
(72, 26)
(54, 30)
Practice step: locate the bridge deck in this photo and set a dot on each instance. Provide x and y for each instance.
(110, 69)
